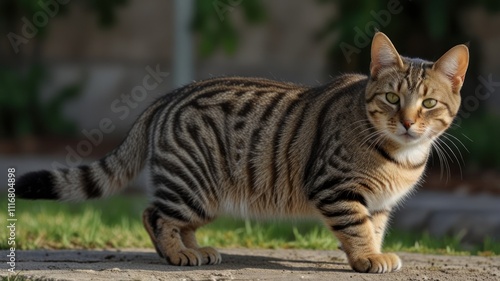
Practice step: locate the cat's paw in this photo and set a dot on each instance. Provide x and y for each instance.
(184, 257)
(210, 255)
(377, 263)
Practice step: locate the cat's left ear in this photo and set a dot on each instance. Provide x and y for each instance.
(453, 64)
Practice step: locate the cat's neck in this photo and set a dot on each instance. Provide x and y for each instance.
(409, 154)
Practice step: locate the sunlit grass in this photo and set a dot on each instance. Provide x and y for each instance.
(116, 223)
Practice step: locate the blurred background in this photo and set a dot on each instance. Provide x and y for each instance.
(74, 75)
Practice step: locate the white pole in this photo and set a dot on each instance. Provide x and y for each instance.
(183, 47)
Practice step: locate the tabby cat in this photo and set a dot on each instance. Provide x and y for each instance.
(347, 152)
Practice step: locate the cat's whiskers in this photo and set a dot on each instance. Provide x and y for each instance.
(443, 159)
(454, 155)
(358, 134)
(467, 137)
(457, 139)
(370, 137)
(441, 146)
(379, 137)
(447, 136)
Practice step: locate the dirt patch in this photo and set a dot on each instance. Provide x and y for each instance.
(243, 264)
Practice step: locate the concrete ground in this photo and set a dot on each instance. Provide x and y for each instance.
(242, 264)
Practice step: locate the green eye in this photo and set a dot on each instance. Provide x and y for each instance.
(392, 98)
(429, 103)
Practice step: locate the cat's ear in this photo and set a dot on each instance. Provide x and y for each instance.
(453, 64)
(383, 54)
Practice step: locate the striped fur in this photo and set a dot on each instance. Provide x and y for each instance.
(260, 148)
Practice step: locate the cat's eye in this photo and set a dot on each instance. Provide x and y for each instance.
(429, 103)
(392, 98)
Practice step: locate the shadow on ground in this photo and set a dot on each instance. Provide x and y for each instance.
(145, 264)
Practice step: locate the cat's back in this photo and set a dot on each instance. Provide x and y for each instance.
(260, 90)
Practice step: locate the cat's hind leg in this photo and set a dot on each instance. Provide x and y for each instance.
(174, 240)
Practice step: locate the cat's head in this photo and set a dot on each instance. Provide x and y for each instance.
(412, 101)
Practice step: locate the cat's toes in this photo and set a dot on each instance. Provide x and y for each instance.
(210, 255)
(185, 257)
(377, 263)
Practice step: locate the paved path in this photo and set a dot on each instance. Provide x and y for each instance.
(242, 264)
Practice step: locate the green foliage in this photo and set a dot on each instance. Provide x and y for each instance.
(436, 24)
(11, 12)
(422, 242)
(106, 10)
(213, 23)
(480, 134)
(19, 277)
(229, 232)
(23, 113)
(110, 223)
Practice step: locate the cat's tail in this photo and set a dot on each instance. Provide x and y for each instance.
(98, 179)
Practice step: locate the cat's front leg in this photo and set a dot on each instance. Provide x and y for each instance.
(352, 224)
(379, 219)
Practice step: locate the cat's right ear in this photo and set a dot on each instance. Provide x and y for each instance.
(383, 54)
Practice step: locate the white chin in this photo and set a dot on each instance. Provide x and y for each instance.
(407, 139)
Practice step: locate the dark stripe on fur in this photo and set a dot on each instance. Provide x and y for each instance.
(331, 183)
(36, 185)
(386, 155)
(89, 185)
(189, 200)
(341, 196)
(370, 99)
(186, 175)
(167, 195)
(295, 131)
(170, 212)
(239, 125)
(277, 140)
(339, 213)
(105, 168)
(221, 145)
(343, 226)
(247, 108)
(206, 169)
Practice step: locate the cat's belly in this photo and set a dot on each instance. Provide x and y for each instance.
(266, 206)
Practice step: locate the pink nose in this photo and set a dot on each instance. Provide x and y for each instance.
(407, 123)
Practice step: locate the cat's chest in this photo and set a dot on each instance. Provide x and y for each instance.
(395, 183)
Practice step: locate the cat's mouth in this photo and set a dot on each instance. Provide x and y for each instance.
(408, 137)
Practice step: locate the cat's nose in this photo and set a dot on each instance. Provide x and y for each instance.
(407, 123)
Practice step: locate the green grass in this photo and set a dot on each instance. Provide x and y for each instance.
(18, 277)
(116, 223)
